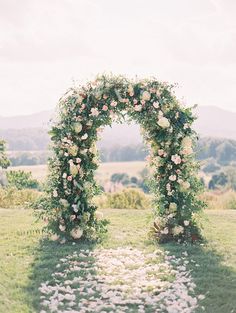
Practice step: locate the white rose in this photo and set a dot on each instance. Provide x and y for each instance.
(163, 122)
(165, 231)
(76, 233)
(186, 223)
(84, 137)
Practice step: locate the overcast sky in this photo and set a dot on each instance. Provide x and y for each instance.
(46, 44)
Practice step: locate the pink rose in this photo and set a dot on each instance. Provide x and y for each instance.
(105, 108)
(113, 103)
(69, 178)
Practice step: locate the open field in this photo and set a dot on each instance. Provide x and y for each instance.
(104, 171)
(26, 261)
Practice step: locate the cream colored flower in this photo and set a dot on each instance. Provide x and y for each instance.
(76, 233)
(186, 223)
(73, 150)
(77, 127)
(165, 231)
(54, 237)
(146, 96)
(187, 151)
(131, 90)
(186, 146)
(172, 207)
(172, 177)
(177, 230)
(186, 142)
(185, 184)
(73, 169)
(64, 203)
(84, 137)
(55, 193)
(62, 227)
(163, 122)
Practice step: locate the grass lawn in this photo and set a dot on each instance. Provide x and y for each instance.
(26, 261)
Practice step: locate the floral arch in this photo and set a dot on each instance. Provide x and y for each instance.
(166, 127)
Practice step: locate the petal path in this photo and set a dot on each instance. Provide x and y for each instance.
(120, 280)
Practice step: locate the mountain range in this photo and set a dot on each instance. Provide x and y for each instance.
(212, 121)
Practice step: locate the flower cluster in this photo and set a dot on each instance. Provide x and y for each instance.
(167, 129)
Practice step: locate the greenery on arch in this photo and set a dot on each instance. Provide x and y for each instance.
(166, 126)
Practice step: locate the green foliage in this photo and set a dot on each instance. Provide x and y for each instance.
(166, 126)
(12, 197)
(22, 180)
(4, 161)
(128, 198)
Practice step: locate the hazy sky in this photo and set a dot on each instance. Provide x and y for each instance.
(46, 44)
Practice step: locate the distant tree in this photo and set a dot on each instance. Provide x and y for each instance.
(21, 180)
(4, 161)
(217, 181)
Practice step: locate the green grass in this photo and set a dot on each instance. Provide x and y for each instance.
(26, 260)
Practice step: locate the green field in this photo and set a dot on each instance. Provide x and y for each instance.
(26, 260)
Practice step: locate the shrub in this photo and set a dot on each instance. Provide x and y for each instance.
(21, 180)
(220, 200)
(129, 198)
(12, 197)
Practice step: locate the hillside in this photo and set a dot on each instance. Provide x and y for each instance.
(30, 132)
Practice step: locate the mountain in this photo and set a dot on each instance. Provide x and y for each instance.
(215, 122)
(24, 130)
(36, 120)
